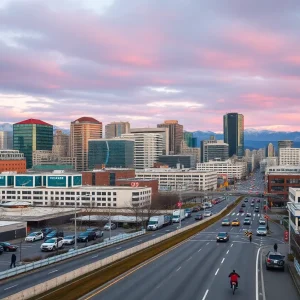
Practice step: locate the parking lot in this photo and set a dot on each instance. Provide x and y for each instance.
(29, 250)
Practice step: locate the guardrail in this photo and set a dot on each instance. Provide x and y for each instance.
(55, 282)
(52, 260)
(297, 266)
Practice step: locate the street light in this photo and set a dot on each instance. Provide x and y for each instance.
(75, 221)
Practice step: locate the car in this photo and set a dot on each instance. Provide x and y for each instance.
(252, 204)
(34, 236)
(99, 233)
(8, 247)
(226, 222)
(261, 230)
(248, 214)
(112, 226)
(69, 240)
(86, 236)
(1, 250)
(52, 244)
(235, 222)
(46, 230)
(262, 222)
(241, 210)
(195, 209)
(188, 213)
(258, 200)
(222, 237)
(274, 260)
(198, 217)
(243, 205)
(256, 210)
(246, 200)
(207, 213)
(247, 221)
(54, 234)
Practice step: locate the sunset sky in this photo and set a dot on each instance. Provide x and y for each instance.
(145, 61)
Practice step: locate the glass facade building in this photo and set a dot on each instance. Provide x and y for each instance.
(111, 153)
(31, 135)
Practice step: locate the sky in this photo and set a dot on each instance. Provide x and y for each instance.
(146, 61)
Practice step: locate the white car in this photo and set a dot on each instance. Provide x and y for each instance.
(262, 222)
(111, 227)
(69, 240)
(207, 214)
(34, 236)
(261, 230)
(52, 244)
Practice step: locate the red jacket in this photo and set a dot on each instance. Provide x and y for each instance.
(234, 277)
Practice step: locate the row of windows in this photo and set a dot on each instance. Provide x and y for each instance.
(9, 192)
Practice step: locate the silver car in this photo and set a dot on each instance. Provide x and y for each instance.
(261, 230)
(69, 240)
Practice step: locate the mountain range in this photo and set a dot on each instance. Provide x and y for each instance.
(254, 139)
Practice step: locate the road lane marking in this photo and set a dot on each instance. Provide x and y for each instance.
(256, 274)
(207, 243)
(118, 248)
(233, 214)
(223, 259)
(10, 287)
(178, 269)
(95, 256)
(53, 272)
(139, 241)
(199, 250)
(205, 294)
(262, 279)
(189, 258)
(217, 272)
(227, 252)
(231, 245)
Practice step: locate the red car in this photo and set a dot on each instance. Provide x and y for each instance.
(241, 210)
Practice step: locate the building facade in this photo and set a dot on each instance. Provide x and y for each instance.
(61, 143)
(214, 150)
(270, 150)
(233, 128)
(12, 161)
(189, 139)
(111, 153)
(233, 170)
(175, 135)
(116, 129)
(185, 150)
(82, 130)
(31, 135)
(164, 132)
(147, 148)
(172, 179)
(6, 140)
(178, 161)
(284, 144)
(289, 156)
(282, 169)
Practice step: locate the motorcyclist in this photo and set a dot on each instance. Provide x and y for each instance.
(234, 278)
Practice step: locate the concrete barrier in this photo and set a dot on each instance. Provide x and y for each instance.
(55, 282)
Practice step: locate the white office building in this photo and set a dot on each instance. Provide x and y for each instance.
(294, 208)
(289, 156)
(147, 148)
(180, 179)
(232, 169)
(283, 169)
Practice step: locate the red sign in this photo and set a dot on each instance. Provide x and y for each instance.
(286, 236)
(134, 184)
(179, 204)
(266, 217)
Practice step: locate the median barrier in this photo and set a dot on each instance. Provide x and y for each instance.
(81, 272)
(51, 260)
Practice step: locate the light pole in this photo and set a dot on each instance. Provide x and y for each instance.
(75, 222)
(290, 251)
(180, 206)
(109, 221)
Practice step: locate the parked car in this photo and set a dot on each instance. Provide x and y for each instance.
(112, 226)
(69, 240)
(34, 236)
(99, 233)
(274, 260)
(46, 231)
(86, 236)
(52, 244)
(198, 217)
(226, 222)
(222, 237)
(1, 250)
(235, 222)
(207, 213)
(8, 247)
(261, 230)
(54, 234)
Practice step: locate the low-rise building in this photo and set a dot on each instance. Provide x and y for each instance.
(294, 209)
(173, 179)
(12, 161)
(233, 170)
(282, 169)
(173, 161)
(289, 156)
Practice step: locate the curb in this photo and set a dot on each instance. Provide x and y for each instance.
(297, 285)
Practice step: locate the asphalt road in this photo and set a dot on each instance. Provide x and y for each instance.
(199, 269)
(13, 285)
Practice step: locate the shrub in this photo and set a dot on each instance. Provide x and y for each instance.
(55, 253)
(32, 259)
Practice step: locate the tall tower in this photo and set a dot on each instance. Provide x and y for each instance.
(31, 135)
(270, 150)
(175, 135)
(61, 143)
(82, 130)
(233, 127)
(116, 129)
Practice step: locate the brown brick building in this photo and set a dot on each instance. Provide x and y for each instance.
(139, 182)
(279, 183)
(12, 161)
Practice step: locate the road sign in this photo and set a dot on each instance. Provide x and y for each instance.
(266, 217)
(179, 204)
(286, 236)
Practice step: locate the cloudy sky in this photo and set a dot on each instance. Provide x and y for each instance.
(145, 61)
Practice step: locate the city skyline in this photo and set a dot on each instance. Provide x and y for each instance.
(114, 63)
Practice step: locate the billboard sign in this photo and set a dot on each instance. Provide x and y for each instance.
(77, 180)
(2, 181)
(24, 181)
(57, 181)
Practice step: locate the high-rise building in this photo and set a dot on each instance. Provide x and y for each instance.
(147, 148)
(116, 129)
(189, 139)
(31, 135)
(111, 153)
(175, 135)
(178, 161)
(61, 143)
(284, 144)
(233, 127)
(6, 140)
(82, 130)
(270, 150)
(213, 149)
(289, 156)
(164, 132)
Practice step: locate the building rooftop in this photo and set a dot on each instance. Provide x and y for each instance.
(7, 223)
(87, 120)
(109, 169)
(272, 173)
(169, 170)
(33, 122)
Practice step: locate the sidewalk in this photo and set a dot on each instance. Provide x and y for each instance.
(295, 276)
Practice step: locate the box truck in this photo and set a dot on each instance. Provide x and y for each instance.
(156, 222)
(178, 215)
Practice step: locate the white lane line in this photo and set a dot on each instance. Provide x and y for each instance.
(231, 245)
(237, 214)
(139, 241)
(95, 256)
(256, 275)
(233, 214)
(118, 248)
(222, 260)
(217, 272)
(253, 215)
(205, 294)
(243, 214)
(10, 287)
(227, 252)
(178, 269)
(207, 243)
(199, 250)
(53, 271)
(189, 258)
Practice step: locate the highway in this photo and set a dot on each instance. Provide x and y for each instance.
(199, 269)
(13, 285)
